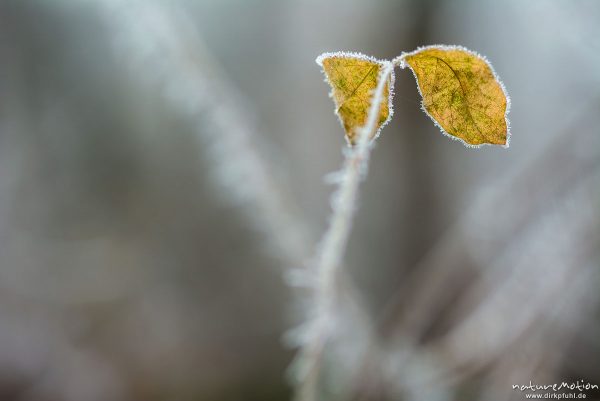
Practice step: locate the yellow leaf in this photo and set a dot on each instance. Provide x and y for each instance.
(353, 79)
(461, 93)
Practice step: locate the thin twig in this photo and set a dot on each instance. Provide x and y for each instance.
(333, 245)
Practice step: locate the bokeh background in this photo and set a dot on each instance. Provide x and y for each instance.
(161, 184)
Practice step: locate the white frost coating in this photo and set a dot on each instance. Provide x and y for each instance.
(399, 61)
(333, 245)
(360, 56)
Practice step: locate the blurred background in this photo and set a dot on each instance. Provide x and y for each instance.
(161, 174)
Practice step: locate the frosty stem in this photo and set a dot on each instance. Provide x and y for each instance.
(333, 244)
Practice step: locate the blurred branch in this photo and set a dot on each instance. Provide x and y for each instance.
(161, 43)
(529, 281)
(162, 47)
(515, 247)
(480, 236)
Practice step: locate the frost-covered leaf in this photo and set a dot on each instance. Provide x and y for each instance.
(353, 79)
(461, 93)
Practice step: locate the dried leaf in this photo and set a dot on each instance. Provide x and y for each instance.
(461, 93)
(353, 79)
